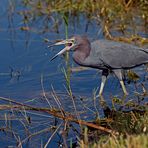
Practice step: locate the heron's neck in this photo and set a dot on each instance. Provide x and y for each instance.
(81, 53)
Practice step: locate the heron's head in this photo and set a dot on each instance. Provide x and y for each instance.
(71, 44)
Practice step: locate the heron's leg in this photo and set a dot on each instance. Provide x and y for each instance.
(118, 73)
(102, 85)
(104, 77)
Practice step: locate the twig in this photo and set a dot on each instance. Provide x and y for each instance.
(52, 136)
(56, 113)
(44, 94)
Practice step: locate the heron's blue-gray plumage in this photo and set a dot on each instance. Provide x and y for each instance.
(105, 55)
(110, 54)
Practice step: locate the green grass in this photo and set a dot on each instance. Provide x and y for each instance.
(131, 141)
(132, 128)
(125, 17)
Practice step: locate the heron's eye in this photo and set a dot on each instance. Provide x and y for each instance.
(73, 41)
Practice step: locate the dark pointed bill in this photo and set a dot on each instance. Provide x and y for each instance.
(58, 43)
(53, 57)
(67, 42)
(61, 52)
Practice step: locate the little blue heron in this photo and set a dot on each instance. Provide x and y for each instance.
(109, 56)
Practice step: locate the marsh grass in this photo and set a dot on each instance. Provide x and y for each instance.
(131, 125)
(120, 126)
(125, 124)
(67, 73)
(116, 17)
(131, 141)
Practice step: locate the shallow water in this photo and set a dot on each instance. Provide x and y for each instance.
(25, 62)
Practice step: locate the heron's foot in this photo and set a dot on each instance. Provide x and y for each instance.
(102, 101)
(101, 98)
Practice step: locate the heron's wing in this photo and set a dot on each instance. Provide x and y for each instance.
(119, 55)
(94, 60)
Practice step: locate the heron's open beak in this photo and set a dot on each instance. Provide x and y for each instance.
(67, 48)
(68, 44)
(58, 43)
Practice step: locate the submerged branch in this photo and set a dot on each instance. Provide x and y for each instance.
(54, 112)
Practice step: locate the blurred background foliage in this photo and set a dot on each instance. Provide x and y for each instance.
(125, 16)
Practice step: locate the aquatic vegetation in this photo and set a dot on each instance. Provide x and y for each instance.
(118, 127)
(71, 119)
(138, 141)
(116, 17)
